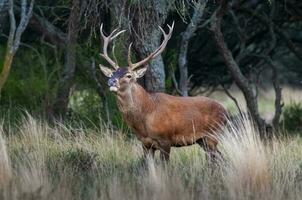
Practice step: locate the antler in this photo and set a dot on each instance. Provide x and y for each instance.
(158, 51)
(108, 39)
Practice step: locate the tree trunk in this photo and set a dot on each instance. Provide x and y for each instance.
(155, 76)
(14, 37)
(278, 95)
(6, 68)
(183, 50)
(142, 19)
(240, 80)
(149, 40)
(66, 80)
(9, 55)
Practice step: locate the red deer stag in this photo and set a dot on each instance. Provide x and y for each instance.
(161, 121)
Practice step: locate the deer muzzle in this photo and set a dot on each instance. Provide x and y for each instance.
(113, 84)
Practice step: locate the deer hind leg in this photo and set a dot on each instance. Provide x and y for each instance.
(210, 147)
(165, 152)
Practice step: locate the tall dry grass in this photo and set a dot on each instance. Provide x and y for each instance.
(39, 161)
(253, 169)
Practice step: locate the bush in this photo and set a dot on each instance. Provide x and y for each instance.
(292, 117)
(80, 159)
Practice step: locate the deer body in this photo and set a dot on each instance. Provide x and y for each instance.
(161, 121)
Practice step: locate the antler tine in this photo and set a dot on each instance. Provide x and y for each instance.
(117, 34)
(172, 26)
(129, 56)
(108, 39)
(158, 51)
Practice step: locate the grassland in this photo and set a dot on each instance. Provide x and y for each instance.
(39, 161)
(266, 98)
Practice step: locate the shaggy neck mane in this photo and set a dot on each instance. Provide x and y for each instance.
(134, 100)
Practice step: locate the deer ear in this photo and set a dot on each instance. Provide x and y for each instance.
(140, 72)
(106, 71)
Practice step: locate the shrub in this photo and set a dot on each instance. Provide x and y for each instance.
(80, 159)
(292, 117)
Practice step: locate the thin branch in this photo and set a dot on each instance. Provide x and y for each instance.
(23, 22)
(278, 90)
(48, 30)
(242, 38)
(208, 21)
(175, 84)
(23, 10)
(12, 27)
(292, 47)
(231, 97)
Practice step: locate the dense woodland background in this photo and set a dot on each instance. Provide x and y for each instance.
(49, 53)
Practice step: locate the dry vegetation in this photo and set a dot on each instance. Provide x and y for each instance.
(39, 161)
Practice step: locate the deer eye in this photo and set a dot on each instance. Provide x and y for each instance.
(129, 76)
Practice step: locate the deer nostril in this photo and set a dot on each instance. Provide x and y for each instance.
(112, 82)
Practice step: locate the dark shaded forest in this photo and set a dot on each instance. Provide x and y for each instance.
(49, 52)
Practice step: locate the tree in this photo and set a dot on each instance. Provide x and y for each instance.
(14, 37)
(247, 88)
(184, 44)
(142, 19)
(66, 81)
(67, 41)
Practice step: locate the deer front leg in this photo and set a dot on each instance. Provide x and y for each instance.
(148, 150)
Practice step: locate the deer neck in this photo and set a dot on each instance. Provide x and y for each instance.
(134, 100)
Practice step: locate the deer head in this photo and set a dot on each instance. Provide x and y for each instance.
(123, 77)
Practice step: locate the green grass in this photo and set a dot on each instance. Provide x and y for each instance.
(39, 161)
